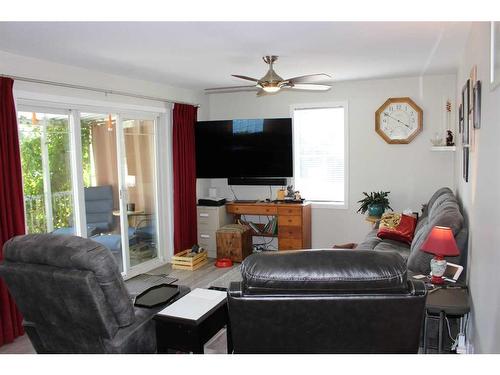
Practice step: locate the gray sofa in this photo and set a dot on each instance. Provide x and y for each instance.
(73, 297)
(442, 210)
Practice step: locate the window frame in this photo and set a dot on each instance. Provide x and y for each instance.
(337, 104)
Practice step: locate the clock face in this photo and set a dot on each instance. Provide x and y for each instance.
(398, 120)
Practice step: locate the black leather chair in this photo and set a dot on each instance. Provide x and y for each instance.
(73, 297)
(326, 301)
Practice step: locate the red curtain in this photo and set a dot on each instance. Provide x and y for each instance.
(185, 232)
(11, 204)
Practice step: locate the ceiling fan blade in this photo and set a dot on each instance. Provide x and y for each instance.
(217, 90)
(310, 78)
(245, 77)
(309, 87)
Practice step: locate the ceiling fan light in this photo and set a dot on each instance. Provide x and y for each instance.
(271, 89)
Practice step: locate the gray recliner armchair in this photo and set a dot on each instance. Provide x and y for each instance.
(73, 298)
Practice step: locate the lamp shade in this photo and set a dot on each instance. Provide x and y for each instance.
(441, 242)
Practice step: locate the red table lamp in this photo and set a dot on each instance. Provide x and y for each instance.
(441, 243)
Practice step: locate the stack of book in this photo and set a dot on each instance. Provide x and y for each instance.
(254, 227)
(272, 226)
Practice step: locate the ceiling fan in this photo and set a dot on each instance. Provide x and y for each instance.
(272, 83)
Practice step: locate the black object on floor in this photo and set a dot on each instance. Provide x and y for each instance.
(143, 282)
(157, 295)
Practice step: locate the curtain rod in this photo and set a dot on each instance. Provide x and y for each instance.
(104, 91)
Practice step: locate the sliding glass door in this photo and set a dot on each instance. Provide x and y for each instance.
(139, 161)
(100, 171)
(114, 172)
(45, 160)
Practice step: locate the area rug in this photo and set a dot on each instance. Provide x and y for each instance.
(140, 283)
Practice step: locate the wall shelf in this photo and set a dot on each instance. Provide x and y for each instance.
(443, 148)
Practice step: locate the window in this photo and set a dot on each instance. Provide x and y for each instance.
(320, 153)
(46, 170)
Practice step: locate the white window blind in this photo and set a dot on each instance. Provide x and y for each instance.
(319, 153)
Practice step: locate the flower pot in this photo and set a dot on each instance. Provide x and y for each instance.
(376, 209)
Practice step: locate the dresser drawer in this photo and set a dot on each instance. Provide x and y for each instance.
(289, 244)
(294, 221)
(287, 210)
(252, 209)
(285, 232)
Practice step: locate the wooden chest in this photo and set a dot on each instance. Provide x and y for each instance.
(234, 242)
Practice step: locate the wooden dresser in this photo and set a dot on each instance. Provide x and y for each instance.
(294, 221)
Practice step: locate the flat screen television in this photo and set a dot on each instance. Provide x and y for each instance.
(244, 148)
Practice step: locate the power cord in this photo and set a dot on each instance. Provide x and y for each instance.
(235, 197)
(264, 246)
(454, 340)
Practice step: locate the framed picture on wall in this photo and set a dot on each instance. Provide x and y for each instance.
(465, 163)
(460, 118)
(477, 105)
(466, 111)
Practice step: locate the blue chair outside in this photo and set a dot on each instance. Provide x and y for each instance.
(99, 211)
(99, 207)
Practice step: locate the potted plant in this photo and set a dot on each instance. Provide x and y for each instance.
(375, 203)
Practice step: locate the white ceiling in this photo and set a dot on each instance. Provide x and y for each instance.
(205, 54)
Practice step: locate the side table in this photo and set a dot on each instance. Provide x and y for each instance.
(449, 301)
(188, 324)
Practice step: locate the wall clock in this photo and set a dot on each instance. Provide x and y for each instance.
(398, 120)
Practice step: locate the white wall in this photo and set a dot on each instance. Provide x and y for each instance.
(480, 198)
(411, 172)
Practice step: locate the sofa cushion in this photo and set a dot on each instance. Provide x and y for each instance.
(437, 194)
(319, 271)
(372, 242)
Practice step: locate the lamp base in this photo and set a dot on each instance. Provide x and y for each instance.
(437, 280)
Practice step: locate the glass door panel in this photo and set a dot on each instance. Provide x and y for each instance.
(140, 182)
(101, 182)
(46, 170)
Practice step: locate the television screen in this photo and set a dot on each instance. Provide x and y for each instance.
(244, 148)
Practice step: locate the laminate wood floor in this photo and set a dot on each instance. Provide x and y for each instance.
(201, 278)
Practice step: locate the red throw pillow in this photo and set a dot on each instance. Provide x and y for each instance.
(397, 227)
